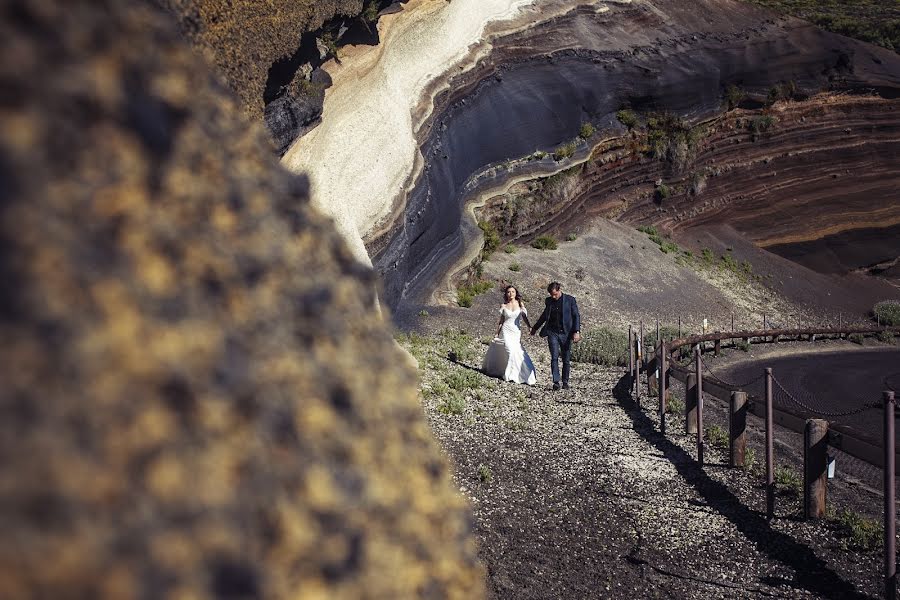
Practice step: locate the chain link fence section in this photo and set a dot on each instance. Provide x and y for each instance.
(735, 386)
(781, 393)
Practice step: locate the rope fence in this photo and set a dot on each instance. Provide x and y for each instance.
(797, 407)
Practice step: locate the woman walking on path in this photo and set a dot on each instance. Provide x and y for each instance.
(506, 358)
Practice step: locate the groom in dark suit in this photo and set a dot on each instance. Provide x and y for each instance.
(562, 326)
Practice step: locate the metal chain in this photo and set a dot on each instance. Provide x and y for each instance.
(739, 386)
(866, 406)
(889, 378)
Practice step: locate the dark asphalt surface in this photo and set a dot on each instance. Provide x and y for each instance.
(829, 383)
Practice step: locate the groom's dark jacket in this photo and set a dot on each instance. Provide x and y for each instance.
(571, 320)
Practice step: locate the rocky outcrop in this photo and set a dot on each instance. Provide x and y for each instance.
(195, 399)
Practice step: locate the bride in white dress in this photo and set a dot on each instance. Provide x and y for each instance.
(506, 358)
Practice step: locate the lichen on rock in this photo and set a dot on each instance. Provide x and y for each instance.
(196, 399)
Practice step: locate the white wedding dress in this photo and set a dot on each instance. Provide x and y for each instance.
(506, 358)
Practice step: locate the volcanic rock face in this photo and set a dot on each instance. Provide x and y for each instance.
(196, 400)
(244, 39)
(540, 84)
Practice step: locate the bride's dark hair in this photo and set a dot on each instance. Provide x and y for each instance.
(518, 295)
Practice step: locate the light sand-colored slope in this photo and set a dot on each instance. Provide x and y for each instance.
(361, 156)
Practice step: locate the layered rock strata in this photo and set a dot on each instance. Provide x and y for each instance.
(539, 85)
(195, 401)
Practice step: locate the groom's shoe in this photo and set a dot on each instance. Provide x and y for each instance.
(565, 385)
(555, 386)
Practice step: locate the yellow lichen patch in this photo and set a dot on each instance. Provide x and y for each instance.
(166, 478)
(172, 550)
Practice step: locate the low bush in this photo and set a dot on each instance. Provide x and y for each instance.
(662, 192)
(423, 313)
(859, 532)
(733, 96)
(458, 344)
(675, 406)
(788, 481)
(515, 267)
(586, 131)
(856, 338)
(571, 237)
(491, 237)
(564, 151)
(886, 337)
(717, 437)
(509, 249)
(760, 124)
(887, 312)
(453, 403)
(484, 473)
(545, 242)
(463, 380)
(627, 118)
(602, 347)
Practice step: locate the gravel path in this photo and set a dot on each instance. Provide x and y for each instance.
(576, 495)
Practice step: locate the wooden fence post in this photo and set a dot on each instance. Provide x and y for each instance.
(698, 373)
(890, 508)
(815, 460)
(662, 386)
(770, 450)
(737, 429)
(690, 403)
(631, 377)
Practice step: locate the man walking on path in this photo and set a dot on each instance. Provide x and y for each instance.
(562, 326)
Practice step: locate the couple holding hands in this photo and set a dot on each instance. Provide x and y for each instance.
(560, 323)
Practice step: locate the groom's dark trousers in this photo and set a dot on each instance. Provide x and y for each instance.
(560, 347)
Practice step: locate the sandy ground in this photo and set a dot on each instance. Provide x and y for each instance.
(360, 158)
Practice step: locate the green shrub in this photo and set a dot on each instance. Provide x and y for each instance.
(484, 473)
(571, 237)
(545, 242)
(887, 312)
(886, 337)
(463, 380)
(707, 255)
(749, 459)
(586, 131)
(788, 481)
(733, 96)
(663, 191)
(423, 313)
(675, 406)
(539, 154)
(564, 151)
(856, 338)
(515, 267)
(464, 297)
(668, 247)
(859, 532)
(452, 404)
(743, 345)
(717, 437)
(509, 249)
(458, 343)
(627, 118)
(491, 236)
(602, 347)
(760, 124)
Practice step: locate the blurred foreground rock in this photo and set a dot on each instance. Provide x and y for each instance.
(196, 400)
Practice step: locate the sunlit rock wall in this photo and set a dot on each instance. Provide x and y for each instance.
(196, 400)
